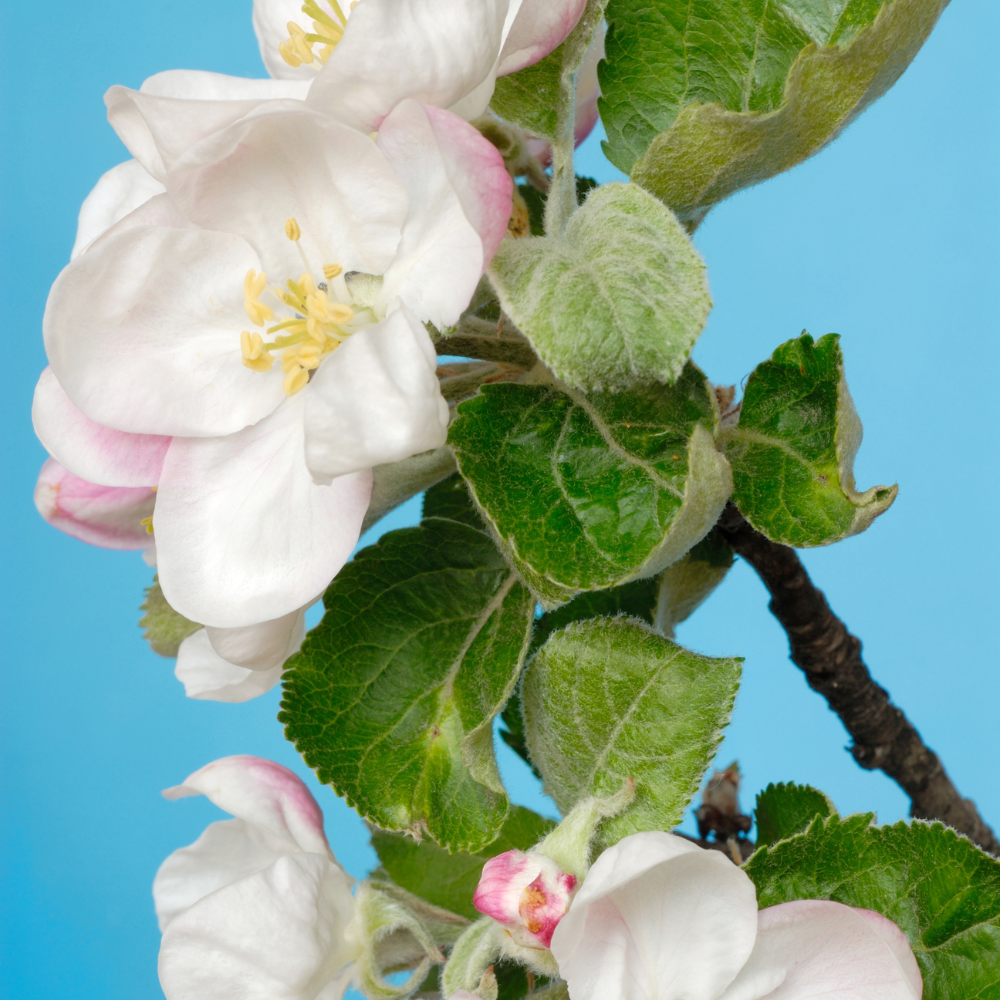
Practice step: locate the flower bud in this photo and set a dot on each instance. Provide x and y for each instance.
(528, 893)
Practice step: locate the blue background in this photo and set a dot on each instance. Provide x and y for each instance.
(889, 237)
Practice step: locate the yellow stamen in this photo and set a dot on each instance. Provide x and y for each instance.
(253, 285)
(286, 53)
(292, 230)
(295, 381)
(331, 271)
(147, 523)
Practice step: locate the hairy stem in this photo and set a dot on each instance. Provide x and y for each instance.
(830, 657)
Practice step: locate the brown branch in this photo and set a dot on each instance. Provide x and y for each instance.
(830, 657)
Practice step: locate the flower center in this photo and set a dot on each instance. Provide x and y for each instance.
(319, 325)
(328, 29)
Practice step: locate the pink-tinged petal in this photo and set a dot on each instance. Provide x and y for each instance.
(279, 933)
(263, 646)
(375, 400)
(332, 179)
(174, 111)
(108, 516)
(227, 851)
(458, 193)
(91, 451)
(813, 949)
(143, 333)
(263, 793)
(657, 917)
(540, 25)
(436, 53)
(527, 893)
(206, 676)
(120, 191)
(243, 534)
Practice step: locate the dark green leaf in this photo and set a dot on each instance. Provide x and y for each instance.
(163, 628)
(609, 700)
(941, 890)
(588, 492)
(785, 810)
(449, 880)
(392, 696)
(793, 450)
(450, 499)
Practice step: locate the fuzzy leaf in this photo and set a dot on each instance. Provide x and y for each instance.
(162, 627)
(941, 890)
(450, 499)
(449, 880)
(392, 697)
(620, 296)
(785, 810)
(793, 450)
(588, 492)
(686, 584)
(609, 700)
(703, 99)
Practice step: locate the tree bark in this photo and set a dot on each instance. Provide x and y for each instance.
(830, 657)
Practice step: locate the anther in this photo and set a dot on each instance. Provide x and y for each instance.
(295, 381)
(147, 523)
(292, 230)
(331, 271)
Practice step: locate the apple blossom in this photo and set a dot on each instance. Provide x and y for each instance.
(257, 907)
(266, 480)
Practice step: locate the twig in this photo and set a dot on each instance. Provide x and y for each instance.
(830, 657)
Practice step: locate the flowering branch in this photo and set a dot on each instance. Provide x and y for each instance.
(830, 657)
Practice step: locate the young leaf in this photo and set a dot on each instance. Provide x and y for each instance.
(686, 584)
(449, 880)
(725, 95)
(942, 891)
(620, 296)
(793, 450)
(589, 492)
(392, 697)
(163, 628)
(783, 811)
(609, 700)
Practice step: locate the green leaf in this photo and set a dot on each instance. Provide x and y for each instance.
(793, 450)
(395, 483)
(589, 492)
(941, 890)
(530, 98)
(449, 880)
(609, 700)
(473, 953)
(163, 628)
(535, 200)
(686, 584)
(620, 296)
(450, 499)
(392, 697)
(785, 810)
(725, 94)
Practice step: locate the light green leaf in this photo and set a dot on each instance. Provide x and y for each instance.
(941, 890)
(473, 953)
(449, 880)
(392, 697)
(725, 94)
(588, 492)
(793, 450)
(620, 296)
(609, 700)
(785, 810)
(163, 628)
(686, 584)
(530, 98)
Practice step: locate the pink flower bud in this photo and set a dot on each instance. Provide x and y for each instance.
(527, 893)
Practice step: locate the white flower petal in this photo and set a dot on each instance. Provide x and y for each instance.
(263, 793)
(459, 205)
(375, 400)
(813, 949)
(289, 162)
(90, 451)
(263, 646)
(270, 22)
(243, 534)
(108, 516)
(228, 850)
(436, 53)
(540, 25)
(276, 935)
(120, 191)
(208, 677)
(200, 85)
(143, 333)
(657, 918)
